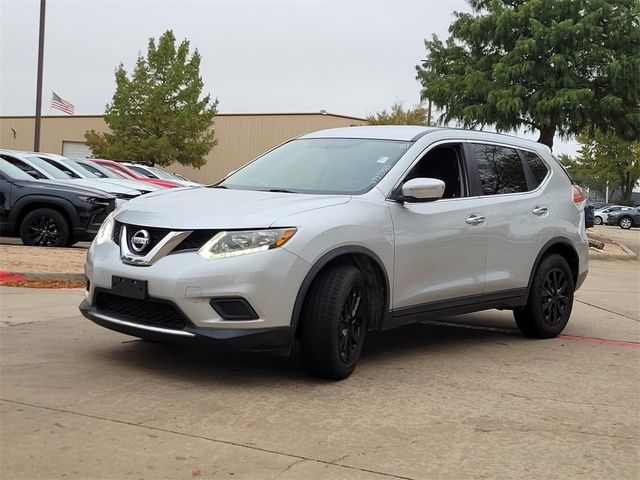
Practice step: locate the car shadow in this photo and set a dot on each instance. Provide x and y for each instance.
(200, 365)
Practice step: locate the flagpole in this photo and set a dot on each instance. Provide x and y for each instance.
(36, 136)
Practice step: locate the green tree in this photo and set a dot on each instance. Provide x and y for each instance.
(603, 158)
(156, 114)
(552, 66)
(399, 116)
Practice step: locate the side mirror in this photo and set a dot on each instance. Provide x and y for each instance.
(422, 190)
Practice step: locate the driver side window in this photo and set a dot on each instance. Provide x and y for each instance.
(444, 163)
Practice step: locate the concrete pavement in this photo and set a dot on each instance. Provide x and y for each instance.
(466, 398)
(630, 238)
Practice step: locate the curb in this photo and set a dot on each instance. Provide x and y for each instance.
(70, 277)
(7, 276)
(595, 254)
(629, 252)
(599, 255)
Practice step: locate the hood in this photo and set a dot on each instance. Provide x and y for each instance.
(217, 208)
(104, 186)
(62, 186)
(148, 187)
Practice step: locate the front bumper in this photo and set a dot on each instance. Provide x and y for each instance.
(277, 339)
(268, 281)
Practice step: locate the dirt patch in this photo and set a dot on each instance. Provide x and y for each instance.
(18, 258)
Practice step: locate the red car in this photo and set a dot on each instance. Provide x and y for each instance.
(129, 173)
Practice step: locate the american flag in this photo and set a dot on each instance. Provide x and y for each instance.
(61, 104)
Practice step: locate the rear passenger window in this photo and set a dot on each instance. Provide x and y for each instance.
(500, 169)
(538, 168)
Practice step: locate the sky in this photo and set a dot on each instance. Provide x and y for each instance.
(351, 57)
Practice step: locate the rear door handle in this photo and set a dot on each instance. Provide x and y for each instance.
(540, 211)
(474, 219)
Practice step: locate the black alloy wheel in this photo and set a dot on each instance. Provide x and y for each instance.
(350, 326)
(554, 299)
(45, 227)
(550, 300)
(333, 323)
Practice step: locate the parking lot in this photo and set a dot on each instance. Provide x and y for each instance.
(467, 397)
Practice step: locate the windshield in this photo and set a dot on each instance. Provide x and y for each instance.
(46, 167)
(12, 172)
(142, 171)
(70, 167)
(97, 170)
(162, 174)
(320, 165)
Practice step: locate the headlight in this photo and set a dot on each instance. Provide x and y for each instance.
(124, 196)
(84, 198)
(105, 231)
(231, 244)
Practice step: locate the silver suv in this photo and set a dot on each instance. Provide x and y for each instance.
(342, 231)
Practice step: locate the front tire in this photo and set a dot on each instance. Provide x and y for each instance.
(334, 322)
(597, 220)
(550, 300)
(45, 227)
(625, 223)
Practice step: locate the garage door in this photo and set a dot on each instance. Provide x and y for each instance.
(75, 150)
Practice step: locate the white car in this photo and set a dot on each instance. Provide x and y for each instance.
(602, 215)
(342, 231)
(152, 172)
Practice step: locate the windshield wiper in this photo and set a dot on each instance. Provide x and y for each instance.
(278, 190)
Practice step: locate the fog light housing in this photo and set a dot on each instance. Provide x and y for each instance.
(233, 308)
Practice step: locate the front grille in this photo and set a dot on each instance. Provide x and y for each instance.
(155, 235)
(152, 312)
(194, 241)
(117, 229)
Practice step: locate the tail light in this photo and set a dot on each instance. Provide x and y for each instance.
(578, 195)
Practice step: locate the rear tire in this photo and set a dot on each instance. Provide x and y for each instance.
(45, 227)
(597, 220)
(550, 300)
(334, 322)
(625, 223)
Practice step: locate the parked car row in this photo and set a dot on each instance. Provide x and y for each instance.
(49, 213)
(625, 218)
(51, 200)
(601, 215)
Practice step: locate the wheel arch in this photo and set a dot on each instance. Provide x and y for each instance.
(563, 247)
(33, 202)
(363, 258)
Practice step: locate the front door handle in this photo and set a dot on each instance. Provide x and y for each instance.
(474, 219)
(540, 211)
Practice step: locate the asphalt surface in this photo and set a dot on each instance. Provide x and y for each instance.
(467, 397)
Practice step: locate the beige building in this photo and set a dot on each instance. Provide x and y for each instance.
(241, 137)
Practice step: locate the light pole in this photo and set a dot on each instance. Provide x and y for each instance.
(36, 137)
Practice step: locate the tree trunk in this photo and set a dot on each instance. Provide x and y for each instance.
(546, 136)
(626, 188)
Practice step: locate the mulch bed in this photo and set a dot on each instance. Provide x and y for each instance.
(46, 284)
